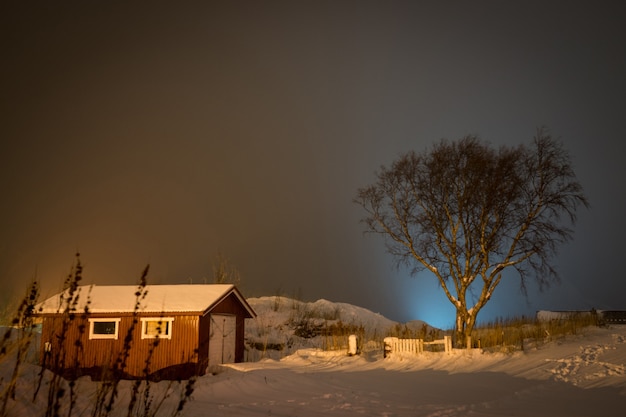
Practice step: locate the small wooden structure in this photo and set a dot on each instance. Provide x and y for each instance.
(601, 317)
(613, 316)
(173, 332)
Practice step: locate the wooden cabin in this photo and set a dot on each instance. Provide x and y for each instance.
(162, 332)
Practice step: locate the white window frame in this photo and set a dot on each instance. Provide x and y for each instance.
(162, 320)
(93, 335)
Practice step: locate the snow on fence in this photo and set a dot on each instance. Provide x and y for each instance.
(397, 345)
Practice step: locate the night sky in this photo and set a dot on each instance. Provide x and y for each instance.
(164, 133)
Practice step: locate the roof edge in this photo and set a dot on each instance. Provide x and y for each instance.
(234, 290)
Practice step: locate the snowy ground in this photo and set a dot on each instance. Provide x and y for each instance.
(582, 375)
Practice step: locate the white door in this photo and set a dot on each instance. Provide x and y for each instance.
(223, 332)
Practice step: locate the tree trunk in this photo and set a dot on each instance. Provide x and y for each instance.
(460, 327)
(465, 322)
(469, 328)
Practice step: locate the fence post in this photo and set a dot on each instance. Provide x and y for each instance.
(386, 346)
(352, 345)
(447, 344)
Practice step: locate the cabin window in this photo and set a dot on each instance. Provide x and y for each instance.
(160, 327)
(104, 328)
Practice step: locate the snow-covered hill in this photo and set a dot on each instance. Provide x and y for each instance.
(285, 325)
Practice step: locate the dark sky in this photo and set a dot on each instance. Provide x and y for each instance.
(163, 133)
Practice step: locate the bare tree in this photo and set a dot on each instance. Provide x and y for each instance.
(224, 272)
(466, 212)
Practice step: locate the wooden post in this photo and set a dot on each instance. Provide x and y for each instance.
(352, 345)
(390, 344)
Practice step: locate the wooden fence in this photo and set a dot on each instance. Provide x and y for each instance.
(416, 346)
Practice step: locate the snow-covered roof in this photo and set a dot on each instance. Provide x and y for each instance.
(159, 298)
(548, 315)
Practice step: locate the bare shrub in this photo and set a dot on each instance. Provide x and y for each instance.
(60, 385)
(519, 333)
